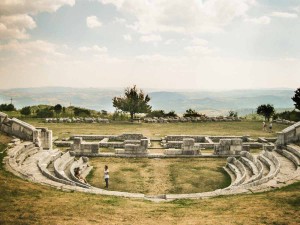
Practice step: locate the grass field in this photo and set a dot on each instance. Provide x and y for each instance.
(160, 176)
(254, 129)
(23, 202)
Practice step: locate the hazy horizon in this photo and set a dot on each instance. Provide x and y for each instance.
(155, 44)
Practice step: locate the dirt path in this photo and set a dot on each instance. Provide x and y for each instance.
(157, 177)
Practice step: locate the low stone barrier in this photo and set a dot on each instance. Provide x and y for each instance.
(288, 135)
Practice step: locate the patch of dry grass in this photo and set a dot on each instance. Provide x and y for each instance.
(160, 176)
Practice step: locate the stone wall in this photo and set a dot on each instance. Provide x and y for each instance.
(42, 137)
(228, 147)
(81, 147)
(288, 135)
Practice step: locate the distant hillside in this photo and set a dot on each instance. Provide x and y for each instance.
(210, 102)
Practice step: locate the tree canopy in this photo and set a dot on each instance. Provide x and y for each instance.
(7, 107)
(266, 110)
(134, 101)
(26, 111)
(58, 108)
(296, 99)
(191, 113)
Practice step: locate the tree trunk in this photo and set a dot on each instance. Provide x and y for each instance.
(131, 116)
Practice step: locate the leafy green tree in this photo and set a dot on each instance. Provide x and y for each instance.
(26, 111)
(296, 99)
(266, 110)
(58, 108)
(191, 113)
(7, 107)
(134, 101)
(44, 113)
(232, 113)
(81, 112)
(156, 113)
(172, 114)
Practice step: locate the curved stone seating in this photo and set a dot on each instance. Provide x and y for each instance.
(21, 148)
(254, 165)
(289, 155)
(43, 163)
(26, 153)
(238, 169)
(295, 149)
(61, 164)
(85, 170)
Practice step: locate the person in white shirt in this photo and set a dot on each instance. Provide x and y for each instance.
(106, 176)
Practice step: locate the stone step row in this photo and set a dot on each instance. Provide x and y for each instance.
(248, 173)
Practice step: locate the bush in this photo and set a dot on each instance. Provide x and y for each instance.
(288, 115)
(44, 113)
(120, 116)
(26, 111)
(191, 113)
(7, 107)
(81, 112)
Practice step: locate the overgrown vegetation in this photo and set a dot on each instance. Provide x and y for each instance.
(288, 115)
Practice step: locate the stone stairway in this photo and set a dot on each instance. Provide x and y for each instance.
(270, 169)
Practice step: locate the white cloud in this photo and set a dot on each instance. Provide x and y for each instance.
(9, 7)
(15, 17)
(94, 48)
(15, 26)
(150, 38)
(264, 20)
(284, 15)
(200, 47)
(119, 20)
(127, 37)
(169, 41)
(199, 41)
(181, 16)
(31, 47)
(93, 22)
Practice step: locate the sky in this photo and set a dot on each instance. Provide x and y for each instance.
(162, 44)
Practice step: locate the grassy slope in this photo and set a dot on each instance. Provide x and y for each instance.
(23, 202)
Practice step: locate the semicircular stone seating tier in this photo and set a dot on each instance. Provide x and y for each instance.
(249, 173)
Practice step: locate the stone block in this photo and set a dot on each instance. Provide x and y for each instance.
(236, 148)
(119, 151)
(173, 152)
(95, 148)
(236, 141)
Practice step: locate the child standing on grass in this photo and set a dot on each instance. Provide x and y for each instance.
(270, 127)
(264, 125)
(106, 175)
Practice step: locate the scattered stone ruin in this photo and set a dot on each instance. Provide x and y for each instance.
(288, 135)
(36, 161)
(202, 118)
(42, 137)
(129, 143)
(229, 147)
(76, 120)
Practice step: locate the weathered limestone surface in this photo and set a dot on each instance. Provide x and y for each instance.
(42, 137)
(249, 173)
(288, 135)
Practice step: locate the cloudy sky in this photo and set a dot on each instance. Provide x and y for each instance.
(164, 44)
